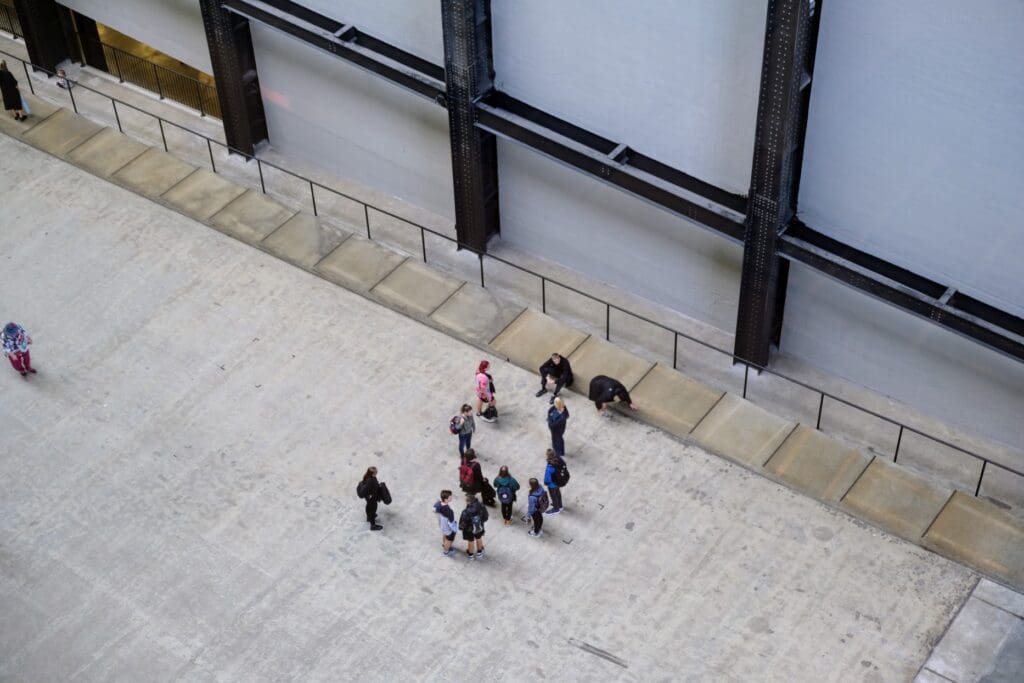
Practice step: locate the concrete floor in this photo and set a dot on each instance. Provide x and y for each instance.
(178, 493)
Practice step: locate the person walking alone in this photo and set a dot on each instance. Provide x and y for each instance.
(538, 504)
(558, 416)
(16, 341)
(554, 464)
(555, 371)
(11, 95)
(369, 490)
(466, 428)
(446, 520)
(471, 522)
(485, 393)
(506, 486)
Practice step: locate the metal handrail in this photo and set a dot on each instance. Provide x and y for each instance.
(260, 163)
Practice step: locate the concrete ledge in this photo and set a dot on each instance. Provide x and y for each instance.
(251, 217)
(41, 110)
(817, 464)
(61, 132)
(358, 264)
(105, 153)
(474, 313)
(202, 194)
(980, 535)
(304, 240)
(597, 357)
(672, 401)
(896, 499)
(415, 288)
(531, 338)
(741, 431)
(153, 173)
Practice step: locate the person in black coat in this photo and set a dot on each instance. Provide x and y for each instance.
(604, 390)
(558, 416)
(556, 370)
(11, 94)
(369, 490)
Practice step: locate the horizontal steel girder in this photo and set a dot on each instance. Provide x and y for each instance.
(896, 286)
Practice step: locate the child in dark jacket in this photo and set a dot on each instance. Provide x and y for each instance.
(554, 462)
(506, 486)
(538, 504)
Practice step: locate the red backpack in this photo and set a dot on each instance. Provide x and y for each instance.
(466, 474)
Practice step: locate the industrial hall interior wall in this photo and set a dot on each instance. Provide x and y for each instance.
(913, 153)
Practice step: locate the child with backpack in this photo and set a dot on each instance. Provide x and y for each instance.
(446, 520)
(369, 489)
(506, 486)
(463, 425)
(538, 504)
(471, 523)
(472, 480)
(556, 475)
(485, 393)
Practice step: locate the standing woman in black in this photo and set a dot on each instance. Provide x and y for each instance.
(369, 489)
(11, 94)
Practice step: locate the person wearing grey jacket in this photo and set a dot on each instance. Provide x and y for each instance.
(466, 428)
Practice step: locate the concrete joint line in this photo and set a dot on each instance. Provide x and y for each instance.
(98, 131)
(39, 123)
(705, 415)
(998, 607)
(949, 625)
(316, 266)
(438, 307)
(387, 274)
(194, 171)
(779, 447)
(120, 168)
(850, 488)
(510, 323)
(637, 383)
(941, 510)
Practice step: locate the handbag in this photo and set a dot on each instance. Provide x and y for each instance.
(24, 105)
(384, 494)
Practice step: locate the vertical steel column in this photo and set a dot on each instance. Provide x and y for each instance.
(234, 70)
(469, 74)
(772, 201)
(89, 37)
(44, 34)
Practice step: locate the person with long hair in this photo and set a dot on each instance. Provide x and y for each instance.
(506, 486)
(369, 490)
(538, 504)
(485, 393)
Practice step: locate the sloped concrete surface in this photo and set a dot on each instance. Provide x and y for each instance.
(817, 464)
(304, 240)
(61, 132)
(359, 264)
(416, 289)
(980, 535)
(202, 194)
(184, 505)
(672, 401)
(476, 314)
(896, 499)
(251, 217)
(532, 337)
(153, 173)
(106, 152)
(740, 430)
(41, 110)
(598, 357)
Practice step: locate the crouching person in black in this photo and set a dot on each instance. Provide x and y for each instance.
(369, 490)
(556, 371)
(605, 390)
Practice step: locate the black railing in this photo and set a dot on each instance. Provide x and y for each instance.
(166, 83)
(543, 281)
(9, 21)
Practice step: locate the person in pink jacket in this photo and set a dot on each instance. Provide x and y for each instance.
(485, 393)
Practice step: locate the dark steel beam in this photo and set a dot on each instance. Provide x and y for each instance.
(968, 317)
(772, 200)
(43, 32)
(346, 42)
(234, 71)
(469, 75)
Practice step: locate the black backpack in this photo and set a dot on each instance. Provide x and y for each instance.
(363, 488)
(561, 474)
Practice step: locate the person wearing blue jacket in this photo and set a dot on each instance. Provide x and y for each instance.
(554, 462)
(558, 416)
(538, 503)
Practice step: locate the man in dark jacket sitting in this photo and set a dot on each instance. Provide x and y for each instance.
(604, 390)
(556, 370)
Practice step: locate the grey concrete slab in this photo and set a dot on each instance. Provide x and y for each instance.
(741, 431)
(476, 314)
(1000, 596)
(980, 535)
(106, 152)
(817, 464)
(531, 338)
(896, 499)
(926, 676)
(62, 132)
(415, 288)
(359, 264)
(251, 217)
(672, 401)
(973, 642)
(304, 240)
(595, 357)
(41, 110)
(153, 173)
(202, 194)
(1008, 666)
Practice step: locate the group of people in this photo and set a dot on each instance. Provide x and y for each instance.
(544, 496)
